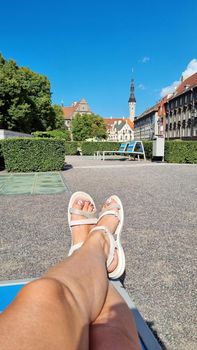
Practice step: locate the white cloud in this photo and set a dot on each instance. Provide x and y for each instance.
(144, 59)
(169, 89)
(191, 69)
(141, 87)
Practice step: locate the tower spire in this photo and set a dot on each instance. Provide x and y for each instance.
(132, 96)
(132, 102)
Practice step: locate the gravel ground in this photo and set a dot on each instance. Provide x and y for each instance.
(159, 236)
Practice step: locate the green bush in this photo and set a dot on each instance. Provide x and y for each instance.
(2, 165)
(32, 154)
(148, 145)
(181, 151)
(89, 148)
(71, 148)
(58, 134)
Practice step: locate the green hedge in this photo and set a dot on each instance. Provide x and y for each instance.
(148, 145)
(71, 148)
(89, 148)
(31, 154)
(2, 165)
(58, 134)
(181, 151)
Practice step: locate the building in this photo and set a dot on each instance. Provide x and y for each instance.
(174, 116)
(80, 107)
(180, 117)
(146, 125)
(121, 129)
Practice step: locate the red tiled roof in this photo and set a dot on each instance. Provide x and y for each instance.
(190, 82)
(130, 123)
(68, 111)
(110, 122)
(161, 106)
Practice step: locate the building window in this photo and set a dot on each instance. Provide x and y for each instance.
(170, 126)
(183, 124)
(189, 123)
(174, 126)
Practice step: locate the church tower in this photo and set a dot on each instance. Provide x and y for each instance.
(132, 102)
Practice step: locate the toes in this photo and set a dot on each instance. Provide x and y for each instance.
(78, 203)
(90, 207)
(108, 202)
(86, 205)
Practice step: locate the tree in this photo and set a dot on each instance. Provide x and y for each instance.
(25, 99)
(59, 117)
(88, 126)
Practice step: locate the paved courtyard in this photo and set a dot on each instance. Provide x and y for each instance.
(159, 237)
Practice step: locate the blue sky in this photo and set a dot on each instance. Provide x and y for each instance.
(89, 48)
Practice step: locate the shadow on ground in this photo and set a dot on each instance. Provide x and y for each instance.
(150, 324)
(67, 166)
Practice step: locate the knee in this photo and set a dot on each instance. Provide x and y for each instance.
(43, 289)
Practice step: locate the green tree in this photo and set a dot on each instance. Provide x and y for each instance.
(88, 126)
(25, 99)
(59, 117)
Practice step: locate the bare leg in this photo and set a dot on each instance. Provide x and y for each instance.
(55, 311)
(114, 328)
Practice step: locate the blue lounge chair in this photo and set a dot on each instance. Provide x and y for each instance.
(135, 148)
(121, 150)
(132, 148)
(9, 290)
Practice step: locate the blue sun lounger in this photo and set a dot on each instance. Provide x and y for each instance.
(121, 150)
(9, 290)
(135, 148)
(132, 148)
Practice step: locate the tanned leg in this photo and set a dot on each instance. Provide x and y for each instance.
(114, 328)
(55, 311)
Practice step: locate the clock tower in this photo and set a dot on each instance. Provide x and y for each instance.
(132, 102)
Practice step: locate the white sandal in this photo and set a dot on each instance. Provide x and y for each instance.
(119, 270)
(91, 218)
(113, 246)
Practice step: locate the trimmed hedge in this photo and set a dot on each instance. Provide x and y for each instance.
(2, 165)
(57, 134)
(148, 145)
(181, 151)
(32, 154)
(89, 148)
(71, 148)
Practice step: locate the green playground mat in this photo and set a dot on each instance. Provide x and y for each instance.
(32, 183)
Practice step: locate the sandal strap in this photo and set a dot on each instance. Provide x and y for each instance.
(112, 242)
(109, 212)
(91, 221)
(82, 213)
(75, 247)
(111, 206)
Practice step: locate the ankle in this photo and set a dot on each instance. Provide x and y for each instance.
(99, 238)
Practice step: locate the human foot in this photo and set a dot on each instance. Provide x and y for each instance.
(81, 218)
(111, 221)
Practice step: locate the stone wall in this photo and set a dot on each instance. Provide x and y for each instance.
(4, 134)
